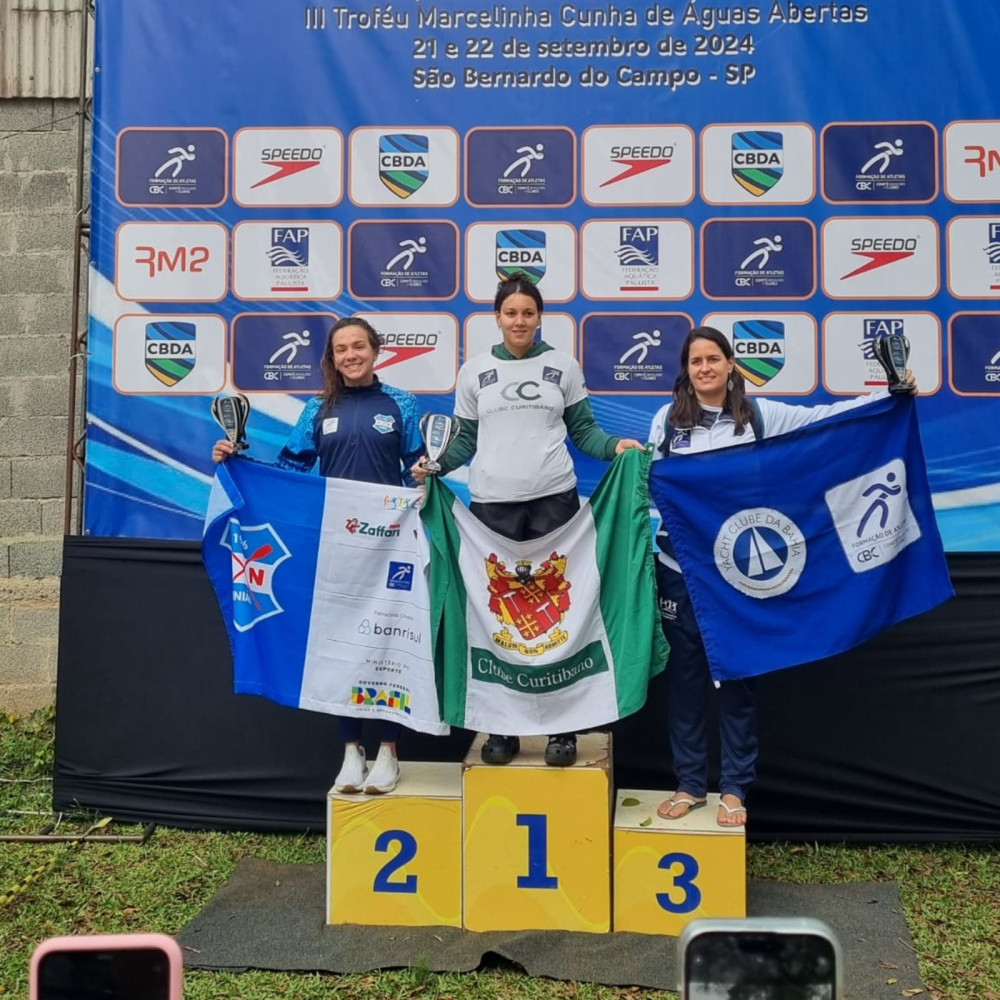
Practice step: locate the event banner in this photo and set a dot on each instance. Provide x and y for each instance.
(323, 590)
(802, 546)
(805, 176)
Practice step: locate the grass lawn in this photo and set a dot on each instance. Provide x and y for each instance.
(951, 897)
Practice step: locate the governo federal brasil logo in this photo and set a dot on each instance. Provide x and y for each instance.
(760, 551)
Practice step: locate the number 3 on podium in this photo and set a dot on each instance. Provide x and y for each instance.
(682, 880)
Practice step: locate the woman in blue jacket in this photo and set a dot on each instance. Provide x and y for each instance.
(360, 429)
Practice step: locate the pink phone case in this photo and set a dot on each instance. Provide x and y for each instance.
(112, 942)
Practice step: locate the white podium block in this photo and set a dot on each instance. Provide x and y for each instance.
(667, 872)
(397, 858)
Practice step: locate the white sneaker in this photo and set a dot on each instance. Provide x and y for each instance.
(384, 774)
(352, 771)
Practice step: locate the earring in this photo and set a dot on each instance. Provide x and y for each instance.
(729, 385)
(690, 389)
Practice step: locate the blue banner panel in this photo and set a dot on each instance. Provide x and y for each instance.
(790, 170)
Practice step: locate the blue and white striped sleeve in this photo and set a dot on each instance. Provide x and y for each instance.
(299, 452)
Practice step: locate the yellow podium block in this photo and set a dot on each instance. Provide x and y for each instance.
(537, 851)
(397, 858)
(670, 871)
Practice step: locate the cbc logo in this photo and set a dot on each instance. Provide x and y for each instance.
(622, 376)
(868, 555)
(993, 376)
(742, 282)
(271, 376)
(388, 282)
(864, 186)
(157, 188)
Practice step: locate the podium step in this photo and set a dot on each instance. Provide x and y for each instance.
(537, 839)
(396, 859)
(667, 872)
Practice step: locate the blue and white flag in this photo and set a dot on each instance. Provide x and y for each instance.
(323, 587)
(801, 546)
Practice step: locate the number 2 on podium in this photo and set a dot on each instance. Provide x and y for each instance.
(406, 853)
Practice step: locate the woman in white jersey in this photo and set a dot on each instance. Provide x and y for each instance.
(517, 404)
(710, 409)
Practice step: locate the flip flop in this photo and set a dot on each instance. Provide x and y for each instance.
(729, 810)
(679, 800)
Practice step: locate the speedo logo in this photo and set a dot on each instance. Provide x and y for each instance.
(355, 526)
(880, 251)
(637, 160)
(288, 160)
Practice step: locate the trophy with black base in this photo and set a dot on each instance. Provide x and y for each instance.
(438, 432)
(231, 414)
(892, 351)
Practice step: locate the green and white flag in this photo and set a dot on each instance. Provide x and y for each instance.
(557, 634)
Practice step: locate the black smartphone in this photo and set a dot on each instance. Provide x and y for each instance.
(759, 958)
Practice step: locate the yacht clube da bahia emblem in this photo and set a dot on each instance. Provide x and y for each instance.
(532, 603)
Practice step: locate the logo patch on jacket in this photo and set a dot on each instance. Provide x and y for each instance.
(487, 378)
(553, 375)
(384, 423)
(680, 439)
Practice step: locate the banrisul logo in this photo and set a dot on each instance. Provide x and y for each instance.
(403, 162)
(520, 250)
(257, 552)
(759, 346)
(757, 160)
(170, 351)
(760, 552)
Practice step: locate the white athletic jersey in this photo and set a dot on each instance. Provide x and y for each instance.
(521, 451)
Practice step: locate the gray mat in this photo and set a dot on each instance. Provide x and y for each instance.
(270, 916)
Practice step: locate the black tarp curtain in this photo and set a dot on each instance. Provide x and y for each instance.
(898, 740)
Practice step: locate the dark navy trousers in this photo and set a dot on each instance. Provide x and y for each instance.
(688, 685)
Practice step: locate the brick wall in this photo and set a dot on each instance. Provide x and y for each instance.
(38, 151)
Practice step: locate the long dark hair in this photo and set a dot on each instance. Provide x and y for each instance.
(333, 381)
(517, 284)
(687, 411)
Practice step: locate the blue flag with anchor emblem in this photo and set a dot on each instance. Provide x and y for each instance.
(801, 546)
(323, 590)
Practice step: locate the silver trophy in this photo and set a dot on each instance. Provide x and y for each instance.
(231, 414)
(438, 432)
(892, 350)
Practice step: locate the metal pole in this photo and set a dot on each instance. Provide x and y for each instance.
(77, 339)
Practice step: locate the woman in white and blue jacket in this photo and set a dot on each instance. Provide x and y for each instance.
(711, 409)
(359, 428)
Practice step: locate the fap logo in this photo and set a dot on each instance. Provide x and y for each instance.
(257, 551)
(289, 246)
(520, 250)
(170, 350)
(403, 162)
(760, 552)
(757, 160)
(638, 256)
(400, 576)
(759, 346)
(873, 517)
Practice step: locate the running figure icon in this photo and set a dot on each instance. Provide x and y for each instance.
(765, 247)
(886, 151)
(177, 160)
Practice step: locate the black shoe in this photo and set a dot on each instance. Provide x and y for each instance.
(561, 750)
(501, 749)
